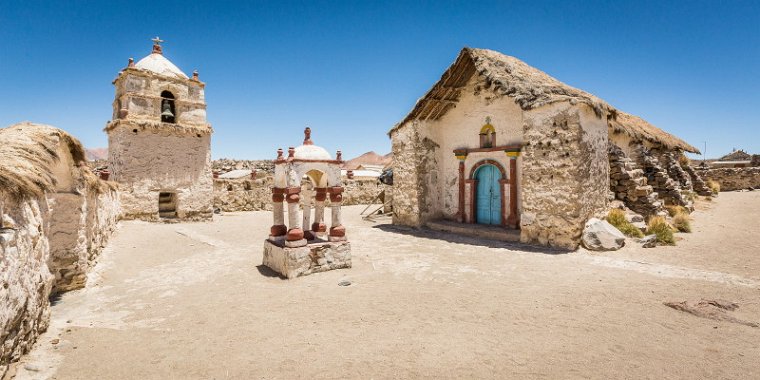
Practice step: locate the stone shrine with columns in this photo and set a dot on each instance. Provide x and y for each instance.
(304, 179)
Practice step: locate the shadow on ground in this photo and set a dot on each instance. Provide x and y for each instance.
(268, 272)
(460, 239)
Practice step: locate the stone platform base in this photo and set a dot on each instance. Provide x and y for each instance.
(475, 230)
(317, 256)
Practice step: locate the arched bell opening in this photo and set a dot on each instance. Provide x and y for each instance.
(168, 110)
(487, 136)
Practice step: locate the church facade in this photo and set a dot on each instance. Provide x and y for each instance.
(159, 142)
(502, 146)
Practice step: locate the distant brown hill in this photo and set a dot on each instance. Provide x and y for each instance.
(95, 154)
(738, 155)
(369, 158)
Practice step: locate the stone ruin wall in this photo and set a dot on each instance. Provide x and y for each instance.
(409, 187)
(629, 185)
(47, 245)
(565, 174)
(25, 280)
(646, 177)
(697, 181)
(49, 237)
(140, 164)
(732, 179)
(79, 230)
(247, 194)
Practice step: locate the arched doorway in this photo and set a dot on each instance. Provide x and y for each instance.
(488, 195)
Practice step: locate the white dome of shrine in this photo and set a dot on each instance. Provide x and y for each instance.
(312, 152)
(309, 151)
(157, 63)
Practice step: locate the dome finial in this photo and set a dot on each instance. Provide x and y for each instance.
(157, 45)
(307, 137)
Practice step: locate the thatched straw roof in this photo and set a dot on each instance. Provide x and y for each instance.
(529, 87)
(502, 74)
(28, 155)
(640, 129)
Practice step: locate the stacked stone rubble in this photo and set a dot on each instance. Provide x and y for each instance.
(675, 171)
(628, 184)
(667, 188)
(698, 184)
(224, 165)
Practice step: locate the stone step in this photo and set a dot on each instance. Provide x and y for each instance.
(475, 230)
(167, 214)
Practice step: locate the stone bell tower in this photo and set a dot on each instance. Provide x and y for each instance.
(159, 142)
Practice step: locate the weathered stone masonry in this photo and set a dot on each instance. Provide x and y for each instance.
(558, 138)
(159, 142)
(564, 164)
(56, 217)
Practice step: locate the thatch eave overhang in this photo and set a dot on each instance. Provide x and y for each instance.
(529, 87)
(640, 129)
(28, 154)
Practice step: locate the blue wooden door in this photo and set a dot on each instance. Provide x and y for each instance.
(488, 195)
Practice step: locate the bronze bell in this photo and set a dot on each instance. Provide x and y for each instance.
(166, 109)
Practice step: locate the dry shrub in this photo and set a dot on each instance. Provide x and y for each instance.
(660, 227)
(683, 160)
(681, 220)
(616, 217)
(675, 210)
(714, 186)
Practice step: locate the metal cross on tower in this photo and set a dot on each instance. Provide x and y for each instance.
(157, 45)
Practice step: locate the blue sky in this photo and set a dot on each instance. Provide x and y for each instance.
(351, 70)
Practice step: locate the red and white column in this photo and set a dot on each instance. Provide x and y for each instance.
(278, 229)
(461, 214)
(318, 227)
(294, 237)
(513, 220)
(337, 231)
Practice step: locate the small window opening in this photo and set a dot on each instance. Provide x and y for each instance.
(487, 136)
(168, 112)
(167, 205)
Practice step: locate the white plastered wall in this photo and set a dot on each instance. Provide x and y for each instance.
(460, 128)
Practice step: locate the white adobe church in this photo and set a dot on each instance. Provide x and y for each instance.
(159, 142)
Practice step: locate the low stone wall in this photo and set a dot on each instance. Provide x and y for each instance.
(25, 280)
(47, 245)
(246, 194)
(732, 179)
(80, 226)
(243, 194)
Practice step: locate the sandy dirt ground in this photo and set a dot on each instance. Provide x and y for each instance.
(190, 301)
